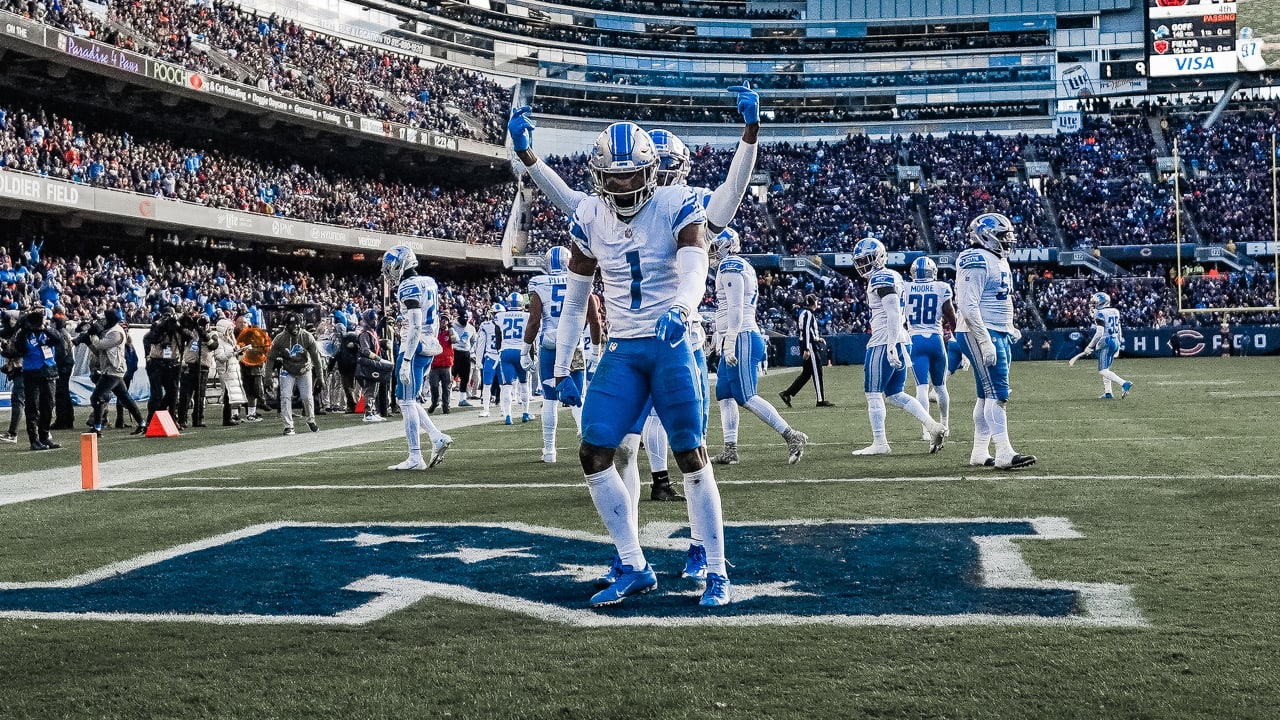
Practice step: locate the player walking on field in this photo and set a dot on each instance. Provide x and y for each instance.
(929, 311)
(1107, 337)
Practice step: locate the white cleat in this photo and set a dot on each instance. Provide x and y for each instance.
(484, 413)
(873, 450)
(437, 449)
(548, 456)
(924, 435)
(413, 463)
(981, 459)
(937, 436)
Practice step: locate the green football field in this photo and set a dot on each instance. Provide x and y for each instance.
(1165, 503)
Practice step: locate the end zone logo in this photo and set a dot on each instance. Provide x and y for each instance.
(890, 572)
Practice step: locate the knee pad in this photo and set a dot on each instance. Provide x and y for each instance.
(900, 400)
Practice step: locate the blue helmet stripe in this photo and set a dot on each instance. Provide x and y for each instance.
(621, 141)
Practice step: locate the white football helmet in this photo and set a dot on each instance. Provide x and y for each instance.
(1099, 300)
(726, 243)
(869, 255)
(924, 269)
(992, 231)
(396, 261)
(515, 301)
(495, 308)
(624, 168)
(557, 260)
(673, 158)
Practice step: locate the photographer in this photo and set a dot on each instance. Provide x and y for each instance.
(108, 343)
(295, 355)
(345, 360)
(196, 362)
(372, 370)
(163, 344)
(9, 324)
(63, 411)
(36, 345)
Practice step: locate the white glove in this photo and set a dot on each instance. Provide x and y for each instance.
(406, 373)
(988, 350)
(895, 357)
(1117, 354)
(1014, 334)
(730, 352)
(526, 358)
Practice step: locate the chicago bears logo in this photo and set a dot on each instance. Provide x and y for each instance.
(937, 572)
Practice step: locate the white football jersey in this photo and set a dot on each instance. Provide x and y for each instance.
(736, 274)
(984, 279)
(511, 324)
(550, 290)
(422, 290)
(1109, 319)
(637, 259)
(490, 340)
(881, 333)
(924, 306)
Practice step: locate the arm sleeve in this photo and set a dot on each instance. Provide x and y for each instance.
(893, 312)
(969, 294)
(411, 331)
(565, 198)
(691, 267)
(573, 315)
(1099, 335)
(734, 291)
(726, 198)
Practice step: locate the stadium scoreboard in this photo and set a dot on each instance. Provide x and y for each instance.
(1190, 37)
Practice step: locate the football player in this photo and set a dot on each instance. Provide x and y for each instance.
(512, 374)
(929, 309)
(546, 300)
(648, 244)
(489, 341)
(984, 301)
(418, 344)
(885, 368)
(1107, 338)
(743, 350)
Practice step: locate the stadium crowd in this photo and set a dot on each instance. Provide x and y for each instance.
(48, 144)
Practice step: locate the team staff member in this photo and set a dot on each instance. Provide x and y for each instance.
(440, 377)
(295, 354)
(35, 344)
(255, 343)
(813, 352)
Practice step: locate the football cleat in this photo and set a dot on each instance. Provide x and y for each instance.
(1106, 396)
(1125, 388)
(786, 399)
(611, 575)
(253, 418)
(728, 456)
(549, 456)
(526, 417)
(483, 413)
(1015, 462)
(9, 437)
(288, 431)
(630, 582)
(507, 421)
(717, 592)
(982, 460)
(464, 403)
(414, 462)
(663, 492)
(874, 449)
(695, 564)
(374, 418)
(796, 441)
(312, 425)
(438, 447)
(937, 436)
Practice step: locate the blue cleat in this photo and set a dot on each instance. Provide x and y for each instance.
(717, 592)
(507, 421)
(695, 565)
(1103, 396)
(526, 417)
(1125, 388)
(611, 575)
(629, 582)
(463, 403)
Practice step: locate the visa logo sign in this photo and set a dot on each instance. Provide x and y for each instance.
(1191, 63)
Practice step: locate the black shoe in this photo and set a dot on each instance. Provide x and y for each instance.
(39, 446)
(120, 425)
(139, 429)
(198, 425)
(97, 430)
(663, 492)
(445, 410)
(786, 399)
(826, 403)
(314, 427)
(431, 409)
(51, 445)
(1018, 461)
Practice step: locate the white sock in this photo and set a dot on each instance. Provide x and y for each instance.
(504, 400)
(876, 412)
(706, 520)
(576, 412)
(981, 431)
(729, 419)
(614, 505)
(412, 427)
(997, 421)
(426, 424)
(627, 461)
(486, 396)
(913, 406)
(944, 403)
(655, 443)
(525, 396)
(549, 413)
(1111, 377)
(768, 413)
(922, 394)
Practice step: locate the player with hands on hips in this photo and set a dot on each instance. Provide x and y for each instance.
(884, 369)
(1106, 340)
(985, 303)
(419, 343)
(648, 244)
(743, 350)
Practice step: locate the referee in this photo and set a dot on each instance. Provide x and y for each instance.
(813, 353)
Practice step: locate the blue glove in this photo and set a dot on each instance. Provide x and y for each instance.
(521, 128)
(567, 391)
(671, 327)
(748, 102)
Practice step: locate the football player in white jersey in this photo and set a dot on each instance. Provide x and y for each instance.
(489, 343)
(928, 308)
(546, 301)
(984, 301)
(885, 367)
(648, 244)
(1107, 338)
(511, 370)
(416, 295)
(742, 351)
